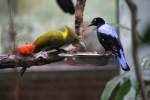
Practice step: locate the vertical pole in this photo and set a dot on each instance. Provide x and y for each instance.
(11, 29)
(118, 16)
(134, 21)
(79, 9)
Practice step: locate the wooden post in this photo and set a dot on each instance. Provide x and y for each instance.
(79, 17)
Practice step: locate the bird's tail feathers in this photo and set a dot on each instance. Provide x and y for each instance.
(122, 61)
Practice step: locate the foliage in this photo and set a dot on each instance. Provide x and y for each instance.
(112, 84)
(123, 90)
(126, 81)
(146, 37)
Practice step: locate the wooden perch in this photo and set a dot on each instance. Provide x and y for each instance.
(42, 58)
(12, 61)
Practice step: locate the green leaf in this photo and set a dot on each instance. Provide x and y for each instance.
(111, 85)
(146, 37)
(123, 90)
(147, 82)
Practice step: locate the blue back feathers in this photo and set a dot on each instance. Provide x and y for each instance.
(108, 30)
(122, 61)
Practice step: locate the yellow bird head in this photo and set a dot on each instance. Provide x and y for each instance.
(70, 35)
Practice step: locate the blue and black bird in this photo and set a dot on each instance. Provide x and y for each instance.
(109, 39)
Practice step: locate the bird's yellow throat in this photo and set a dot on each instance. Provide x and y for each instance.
(65, 33)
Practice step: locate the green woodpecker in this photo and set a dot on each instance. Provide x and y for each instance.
(50, 40)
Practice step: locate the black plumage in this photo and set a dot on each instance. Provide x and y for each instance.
(66, 5)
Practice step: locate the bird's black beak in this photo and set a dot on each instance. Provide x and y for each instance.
(90, 25)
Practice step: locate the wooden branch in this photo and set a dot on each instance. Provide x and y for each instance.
(79, 9)
(134, 22)
(79, 17)
(13, 61)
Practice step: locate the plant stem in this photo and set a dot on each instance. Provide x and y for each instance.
(134, 21)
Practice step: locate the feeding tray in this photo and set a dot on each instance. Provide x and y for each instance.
(84, 54)
(93, 58)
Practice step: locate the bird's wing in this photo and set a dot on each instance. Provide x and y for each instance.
(117, 44)
(51, 39)
(108, 30)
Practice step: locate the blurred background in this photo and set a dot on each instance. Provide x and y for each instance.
(33, 18)
(66, 80)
